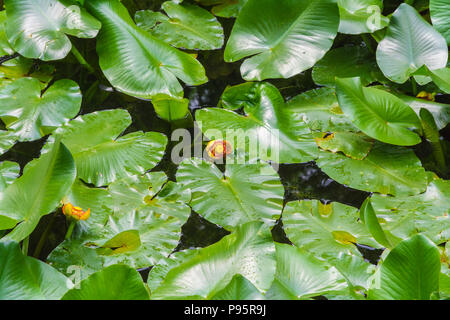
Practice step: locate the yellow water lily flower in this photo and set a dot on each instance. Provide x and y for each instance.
(217, 149)
(426, 95)
(75, 213)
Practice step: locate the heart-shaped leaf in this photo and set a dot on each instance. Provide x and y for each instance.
(410, 43)
(377, 113)
(387, 170)
(116, 282)
(169, 108)
(39, 29)
(439, 16)
(325, 229)
(248, 251)
(300, 275)
(32, 114)
(188, 26)
(409, 272)
(38, 191)
(270, 127)
(105, 157)
(137, 63)
(26, 278)
(284, 37)
(245, 192)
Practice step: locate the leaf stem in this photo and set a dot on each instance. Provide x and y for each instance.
(70, 230)
(25, 244)
(81, 59)
(414, 86)
(44, 236)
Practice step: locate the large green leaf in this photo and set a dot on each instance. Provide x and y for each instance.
(439, 10)
(169, 108)
(377, 113)
(32, 114)
(188, 26)
(409, 272)
(427, 213)
(26, 278)
(387, 170)
(346, 62)
(410, 43)
(9, 171)
(283, 37)
(239, 288)
(248, 251)
(273, 132)
(116, 282)
(7, 140)
(39, 29)
(37, 192)
(142, 226)
(320, 110)
(300, 275)
(105, 156)
(361, 16)
(325, 229)
(137, 63)
(245, 192)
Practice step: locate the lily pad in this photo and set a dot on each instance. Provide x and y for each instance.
(361, 16)
(187, 26)
(284, 38)
(439, 16)
(271, 130)
(9, 171)
(353, 145)
(106, 156)
(325, 229)
(248, 251)
(239, 288)
(387, 170)
(7, 140)
(135, 62)
(241, 194)
(26, 278)
(39, 29)
(32, 114)
(410, 43)
(320, 110)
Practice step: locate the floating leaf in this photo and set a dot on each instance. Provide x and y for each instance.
(137, 63)
(346, 62)
(410, 43)
(26, 278)
(105, 157)
(428, 213)
(7, 140)
(353, 145)
(439, 16)
(37, 192)
(284, 38)
(272, 131)
(9, 171)
(32, 114)
(116, 282)
(377, 113)
(320, 110)
(39, 29)
(169, 108)
(300, 275)
(188, 26)
(361, 16)
(248, 251)
(239, 288)
(387, 169)
(144, 227)
(245, 192)
(409, 272)
(324, 229)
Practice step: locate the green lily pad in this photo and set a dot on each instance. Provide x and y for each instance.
(353, 145)
(361, 16)
(9, 171)
(244, 193)
(105, 156)
(39, 29)
(187, 26)
(32, 114)
(387, 170)
(325, 229)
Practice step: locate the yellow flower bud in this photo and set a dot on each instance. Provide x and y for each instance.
(75, 213)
